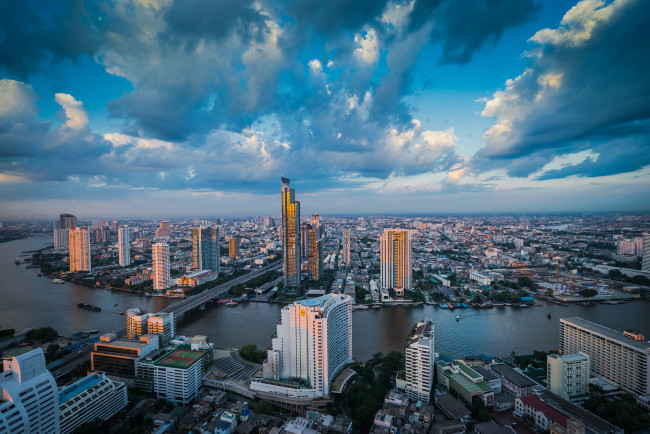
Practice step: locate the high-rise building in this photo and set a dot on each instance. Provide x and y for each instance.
(114, 226)
(646, 253)
(621, 357)
(160, 271)
(136, 323)
(205, 249)
(396, 269)
(315, 250)
(67, 221)
(162, 324)
(304, 242)
(346, 247)
(29, 402)
(163, 230)
(233, 246)
(97, 224)
(124, 245)
(419, 362)
(93, 397)
(626, 247)
(313, 343)
(291, 259)
(567, 375)
(316, 224)
(79, 245)
(61, 238)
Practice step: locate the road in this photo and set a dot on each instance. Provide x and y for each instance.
(83, 354)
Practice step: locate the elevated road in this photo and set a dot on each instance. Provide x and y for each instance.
(179, 309)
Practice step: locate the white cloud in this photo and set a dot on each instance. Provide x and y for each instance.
(118, 139)
(368, 47)
(579, 22)
(97, 181)
(74, 111)
(315, 66)
(17, 101)
(396, 15)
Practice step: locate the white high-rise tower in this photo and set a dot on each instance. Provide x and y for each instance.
(124, 245)
(419, 362)
(29, 399)
(160, 259)
(313, 344)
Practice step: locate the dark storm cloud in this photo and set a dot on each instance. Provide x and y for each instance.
(28, 39)
(463, 27)
(332, 17)
(586, 87)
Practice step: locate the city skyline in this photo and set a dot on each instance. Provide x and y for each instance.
(367, 109)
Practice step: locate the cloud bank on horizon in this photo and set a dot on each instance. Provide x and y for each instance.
(217, 99)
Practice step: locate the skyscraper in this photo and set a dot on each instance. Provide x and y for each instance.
(160, 258)
(346, 247)
(79, 244)
(124, 245)
(646, 253)
(290, 235)
(29, 400)
(67, 221)
(304, 241)
(163, 230)
(419, 362)
(316, 224)
(61, 238)
(396, 270)
(315, 254)
(205, 249)
(233, 246)
(313, 343)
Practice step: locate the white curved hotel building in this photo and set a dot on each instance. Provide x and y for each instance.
(313, 343)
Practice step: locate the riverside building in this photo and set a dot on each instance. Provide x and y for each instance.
(291, 248)
(395, 257)
(568, 375)
(621, 357)
(29, 400)
(160, 268)
(419, 362)
(79, 245)
(205, 249)
(313, 343)
(124, 245)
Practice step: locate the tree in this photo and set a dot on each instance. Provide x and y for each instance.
(526, 282)
(250, 353)
(43, 334)
(588, 292)
(615, 273)
(160, 403)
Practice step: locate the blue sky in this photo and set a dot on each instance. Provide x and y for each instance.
(180, 108)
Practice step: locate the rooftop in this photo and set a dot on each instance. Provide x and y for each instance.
(550, 413)
(75, 389)
(512, 376)
(486, 373)
(469, 371)
(472, 388)
(181, 358)
(606, 331)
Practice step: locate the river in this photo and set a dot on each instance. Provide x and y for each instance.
(29, 301)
